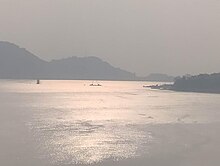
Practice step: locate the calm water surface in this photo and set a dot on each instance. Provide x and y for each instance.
(70, 122)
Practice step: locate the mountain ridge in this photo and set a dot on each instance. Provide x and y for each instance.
(18, 63)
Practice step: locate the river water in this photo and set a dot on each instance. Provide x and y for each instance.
(119, 123)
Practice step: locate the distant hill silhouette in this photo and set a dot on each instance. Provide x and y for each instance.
(18, 63)
(158, 77)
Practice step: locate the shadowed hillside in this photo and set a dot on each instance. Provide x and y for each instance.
(198, 83)
(206, 83)
(18, 63)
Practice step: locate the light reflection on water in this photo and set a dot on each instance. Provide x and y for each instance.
(84, 142)
(76, 123)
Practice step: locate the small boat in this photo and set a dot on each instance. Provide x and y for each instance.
(95, 84)
(38, 81)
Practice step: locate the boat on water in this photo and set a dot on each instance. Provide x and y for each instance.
(161, 87)
(95, 84)
(38, 81)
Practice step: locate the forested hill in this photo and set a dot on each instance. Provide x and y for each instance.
(207, 83)
(199, 83)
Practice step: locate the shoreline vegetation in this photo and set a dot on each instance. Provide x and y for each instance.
(202, 83)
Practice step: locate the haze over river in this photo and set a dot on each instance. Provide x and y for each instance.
(64, 123)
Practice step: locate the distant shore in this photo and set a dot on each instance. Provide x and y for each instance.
(166, 87)
(203, 83)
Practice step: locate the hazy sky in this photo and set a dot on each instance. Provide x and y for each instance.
(142, 36)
